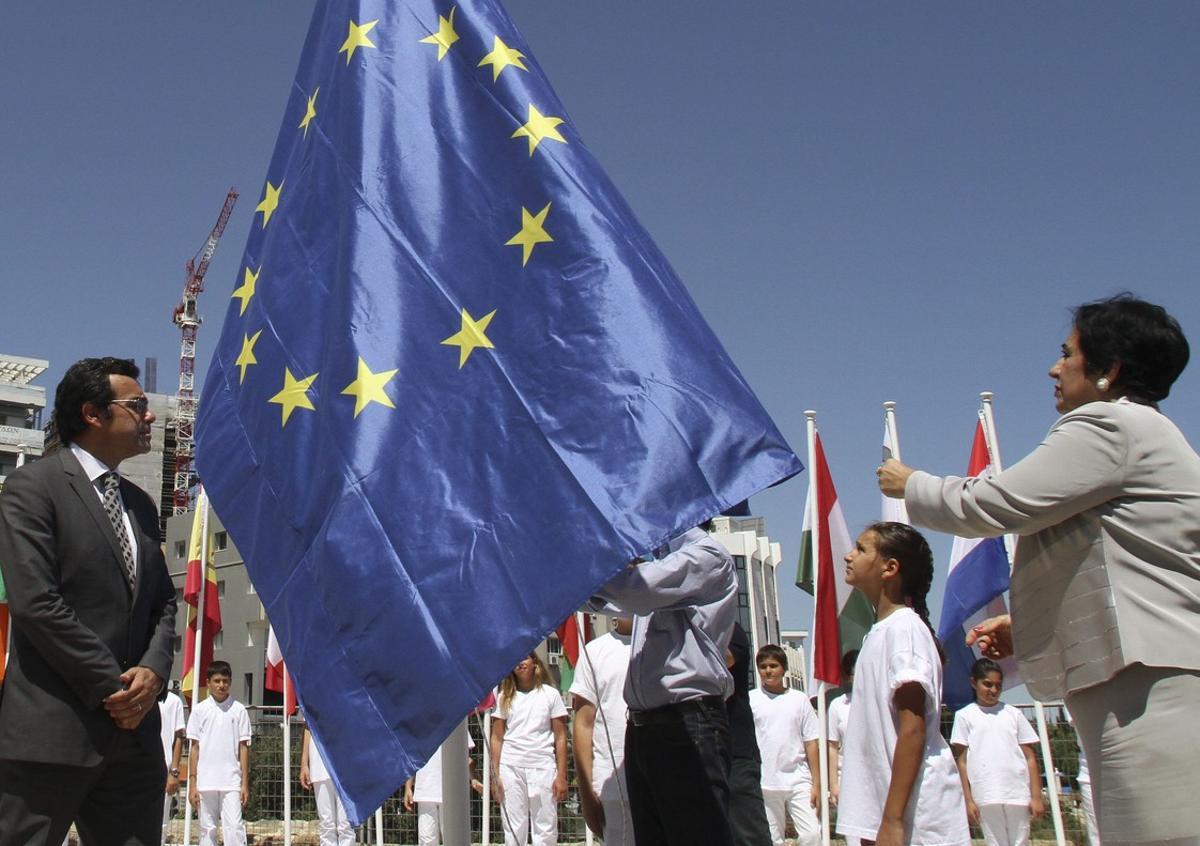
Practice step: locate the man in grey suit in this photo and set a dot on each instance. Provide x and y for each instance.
(93, 618)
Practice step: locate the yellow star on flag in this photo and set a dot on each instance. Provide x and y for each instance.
(501, 57)
(539, 126)
(294, 394)
(368, 387)
(310, 112)
(532, 233)
(270, 202)
(470, 336)
(445, 37)
(357, 38)
(246, 356)
(245, 291)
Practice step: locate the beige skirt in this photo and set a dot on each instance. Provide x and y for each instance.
(1141, 733)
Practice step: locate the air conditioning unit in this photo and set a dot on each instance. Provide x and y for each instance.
(553, 658)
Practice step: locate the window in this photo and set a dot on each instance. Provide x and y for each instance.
(248, 689)
(180, 549)
(178, 644)
(250, 587)
(220, 541)
(220, 587)
(249, 635)
(219, 639)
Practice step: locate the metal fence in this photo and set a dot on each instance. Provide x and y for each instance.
(264, 816)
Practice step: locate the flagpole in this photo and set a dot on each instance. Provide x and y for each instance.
(287, 762)
(986, 415)
(486, 806)
(202, 504)
(889, 418)
(893, 509)
(456, 786)
(379, 826)
(815, 530)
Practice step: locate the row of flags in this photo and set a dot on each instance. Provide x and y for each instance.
(978, 573)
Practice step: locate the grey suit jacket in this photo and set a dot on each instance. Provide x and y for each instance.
(76, 624)
(1107, 564)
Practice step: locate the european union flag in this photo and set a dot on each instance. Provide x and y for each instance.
(458, 387)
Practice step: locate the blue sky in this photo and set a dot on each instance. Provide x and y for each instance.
(868, 202)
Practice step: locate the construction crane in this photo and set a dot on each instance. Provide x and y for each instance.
(187, 318)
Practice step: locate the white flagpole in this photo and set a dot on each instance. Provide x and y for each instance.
(893, 509)
(993, 445)
(487, 777)
(456, 787)
(201, 503)
(287, 762)
(379, 826)
(815, 529)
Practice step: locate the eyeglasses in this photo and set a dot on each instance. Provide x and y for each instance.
(138, 406)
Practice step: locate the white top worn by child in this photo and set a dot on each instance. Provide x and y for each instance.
(899, 781)
(220, 729)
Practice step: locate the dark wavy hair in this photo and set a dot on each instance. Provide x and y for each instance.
(909, 547)
(1141, 337)
(86, 381)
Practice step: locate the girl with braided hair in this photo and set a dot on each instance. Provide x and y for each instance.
(900, 784)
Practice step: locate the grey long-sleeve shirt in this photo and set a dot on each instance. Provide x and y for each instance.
(683, 607)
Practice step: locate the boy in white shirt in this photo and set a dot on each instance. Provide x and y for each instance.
(598, 731)
(994, 746)
(333, 826)
(170, 709)
(219, 764)
(788, 733)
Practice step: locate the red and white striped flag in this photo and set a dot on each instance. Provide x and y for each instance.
(277, 672)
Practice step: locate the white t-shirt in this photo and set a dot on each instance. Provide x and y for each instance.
(783, 723)
(996, 765)
(219, 728)
(317, 771)
(604, 666)
(528, 735)
(427, 784)
(170, 709)
(896, 651)
(837, 715)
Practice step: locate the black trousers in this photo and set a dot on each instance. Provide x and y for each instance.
(118, 803)
(677, 763)
(747, 812)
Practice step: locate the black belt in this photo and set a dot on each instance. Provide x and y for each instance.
(671, 713)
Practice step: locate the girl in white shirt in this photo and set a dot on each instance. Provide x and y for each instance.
(529, 753)
(899, 781)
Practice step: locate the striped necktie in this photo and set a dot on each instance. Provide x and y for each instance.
(112, 507)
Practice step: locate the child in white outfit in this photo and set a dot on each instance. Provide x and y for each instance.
(529, 754)
(788, 735)
(994, 745)
(899, 781)
(219, 764)
(333, 826)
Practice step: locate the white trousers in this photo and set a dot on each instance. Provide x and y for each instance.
(1005, 825)
(225, 805)
(429, 823)
(528, 799)
(613, 791)
(167, 797)
(333, 826)
(1089, 812)
(781, 804)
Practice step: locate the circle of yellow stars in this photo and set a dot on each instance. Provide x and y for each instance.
(368, 386)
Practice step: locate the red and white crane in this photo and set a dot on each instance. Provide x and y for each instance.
(187, 318)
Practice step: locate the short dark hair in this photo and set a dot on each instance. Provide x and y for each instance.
(86, 381)
(984, 667)
(1141, 337)
(770, 650)
(849, 660)
(219, 668)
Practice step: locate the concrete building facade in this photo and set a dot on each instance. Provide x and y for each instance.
(21, 408)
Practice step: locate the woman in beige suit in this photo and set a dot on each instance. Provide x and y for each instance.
(1105, 589)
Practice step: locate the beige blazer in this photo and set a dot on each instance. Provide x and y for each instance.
(1107, 564)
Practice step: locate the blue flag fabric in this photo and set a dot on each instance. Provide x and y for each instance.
(457, 389)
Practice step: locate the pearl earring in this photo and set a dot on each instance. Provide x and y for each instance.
(1102, 383)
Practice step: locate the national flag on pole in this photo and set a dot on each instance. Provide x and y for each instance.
(572, 644)
(458, 388)
(975, 586)
(276, 672)
(201, 576)
(842, 616)
(4, 623)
